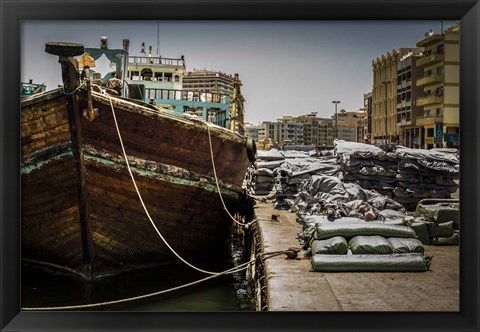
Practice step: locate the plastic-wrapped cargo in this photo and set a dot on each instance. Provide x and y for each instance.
(335, 245)
(453, 239)
(406, 245)
(367, 165)
(411, 262)
(425, 174)
(325, 231)
(374, 245)
(270, 155)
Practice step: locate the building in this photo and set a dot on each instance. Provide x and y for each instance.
(367, 106)
(351, 125)
(208, 81)
(326, 133)
(310, 128)
(252, 131)
(384, 96)
(440, 84)
(285, 131)
(408, 72)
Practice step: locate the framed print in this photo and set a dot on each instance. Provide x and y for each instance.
(230, 20)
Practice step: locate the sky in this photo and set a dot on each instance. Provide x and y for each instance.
(286, 67)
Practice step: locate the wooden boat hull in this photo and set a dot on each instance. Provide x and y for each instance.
(171, 164)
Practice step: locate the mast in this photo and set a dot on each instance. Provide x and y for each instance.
(237, 110)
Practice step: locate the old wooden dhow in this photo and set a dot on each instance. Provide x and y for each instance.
(80, 209)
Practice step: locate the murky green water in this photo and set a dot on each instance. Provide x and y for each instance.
(225, 293)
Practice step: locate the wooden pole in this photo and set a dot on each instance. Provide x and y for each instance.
(71, 82)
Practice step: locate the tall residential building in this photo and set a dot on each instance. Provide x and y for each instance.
(284, 131)
(252, 131)
(367, 105)
(208, 81)
(351, 125)
(441, 83)
(384, 96)
(408, 72)
(310, 128)
(326, 133)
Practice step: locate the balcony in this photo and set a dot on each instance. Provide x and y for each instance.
(429, 120)
(431, 58)
(429, 100)
(430, 79)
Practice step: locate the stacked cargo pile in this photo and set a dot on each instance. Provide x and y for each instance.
(263, 178)
(425, 174)
(437, 223)
(367, 165)
(291, 175)
(356, 245)
(265, 144)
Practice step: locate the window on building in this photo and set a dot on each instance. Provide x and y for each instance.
(440, 70)
(430, 132)
(409, 96)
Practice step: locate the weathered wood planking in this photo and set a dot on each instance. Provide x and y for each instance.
(184, 206)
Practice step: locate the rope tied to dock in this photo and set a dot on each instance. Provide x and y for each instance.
(259, 259)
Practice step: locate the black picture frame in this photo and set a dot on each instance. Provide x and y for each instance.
(13, 12)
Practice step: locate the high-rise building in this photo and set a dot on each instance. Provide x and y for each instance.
(441, 85)
(208, 81)
(384, 96)
(408, 72)
(367, 106)
(310, 128)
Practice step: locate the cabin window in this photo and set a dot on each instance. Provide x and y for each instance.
(147, 74)
(158, 77)
(177, 78)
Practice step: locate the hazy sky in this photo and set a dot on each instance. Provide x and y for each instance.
(286, 67)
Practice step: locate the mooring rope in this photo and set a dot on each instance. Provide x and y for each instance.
(143, 204)
(84, 82)
(140, 297)
(241, 267)
(218, 185)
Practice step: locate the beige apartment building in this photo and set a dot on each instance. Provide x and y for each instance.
(440, 101)
(408, 72)
(384, 96)
(351, 125)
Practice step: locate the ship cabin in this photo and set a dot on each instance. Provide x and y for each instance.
(159, 81)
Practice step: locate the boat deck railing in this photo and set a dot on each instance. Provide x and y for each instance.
(155, 61)
(194, 96)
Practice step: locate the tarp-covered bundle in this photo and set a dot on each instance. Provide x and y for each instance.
(293, 173)
(425, 174)
(439, 223)
(367, 165)
(262, 177)
(372, 246)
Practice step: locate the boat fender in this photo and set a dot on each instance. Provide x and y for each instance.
(251, 150)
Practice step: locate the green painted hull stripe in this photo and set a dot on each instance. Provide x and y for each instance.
(27, 169)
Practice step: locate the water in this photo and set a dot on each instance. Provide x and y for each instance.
(225, 293)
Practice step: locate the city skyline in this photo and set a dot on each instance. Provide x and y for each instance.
(286, 67)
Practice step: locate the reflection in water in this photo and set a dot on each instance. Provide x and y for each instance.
(225, 293)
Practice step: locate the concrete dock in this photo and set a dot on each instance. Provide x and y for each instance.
(291, 286)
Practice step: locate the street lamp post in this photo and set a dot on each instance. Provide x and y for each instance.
(336, 102)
